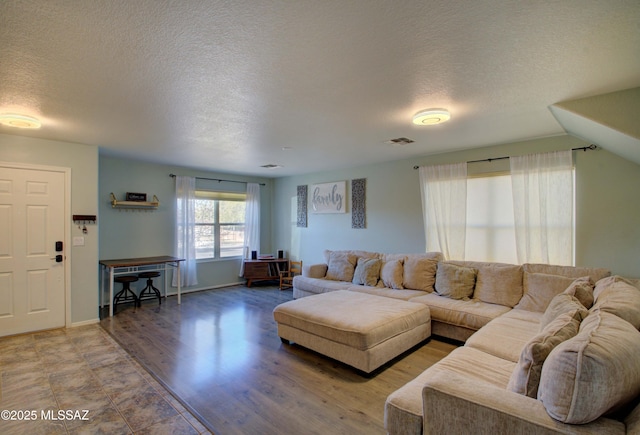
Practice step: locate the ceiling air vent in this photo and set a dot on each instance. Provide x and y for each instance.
(270, 166)
(401, 141)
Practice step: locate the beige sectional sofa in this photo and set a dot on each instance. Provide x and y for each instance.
(548, 349)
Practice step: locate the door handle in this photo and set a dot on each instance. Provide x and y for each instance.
(58, 258)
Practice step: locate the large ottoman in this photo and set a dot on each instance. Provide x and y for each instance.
(362, 330)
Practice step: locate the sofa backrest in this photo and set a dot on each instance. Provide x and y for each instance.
(541, 282)
(496, 283)
(414, 271)
(596, 274)
(356, 252)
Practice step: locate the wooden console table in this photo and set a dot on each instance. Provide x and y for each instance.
(129, 266)
(264, 270)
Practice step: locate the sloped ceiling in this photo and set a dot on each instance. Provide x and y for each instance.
(309, 85)
(611, 121)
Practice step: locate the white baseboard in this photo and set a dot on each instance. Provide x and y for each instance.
(84, 323)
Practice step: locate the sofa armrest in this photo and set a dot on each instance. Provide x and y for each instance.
(453, 403)
(315, 270)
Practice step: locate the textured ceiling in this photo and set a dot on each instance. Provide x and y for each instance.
(225, 85)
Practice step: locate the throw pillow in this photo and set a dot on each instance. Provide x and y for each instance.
(367, 271)
(526, 376)
(606, 282)
(539, 289)
(455, 282)
(622, 299)
(341, 265)
(358, 253)
(499, 284)
(391, 274)
(419, 273)
(582, 290)
(496, 283)
(593, 373)
(560, 304)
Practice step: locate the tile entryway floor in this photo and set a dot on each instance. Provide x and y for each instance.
(82, 369)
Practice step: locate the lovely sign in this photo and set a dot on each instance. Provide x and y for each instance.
(328, 197)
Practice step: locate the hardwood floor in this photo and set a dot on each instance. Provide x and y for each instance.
(219, 352)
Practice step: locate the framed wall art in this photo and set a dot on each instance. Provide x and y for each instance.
(302, 206)
(328, 197)
(359, 203)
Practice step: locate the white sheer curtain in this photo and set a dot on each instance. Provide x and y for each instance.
(252, 221)
(185, 231)
(543, 207)
(444, 208)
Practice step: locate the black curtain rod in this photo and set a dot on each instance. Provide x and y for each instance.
(590, 147)
(219, 180)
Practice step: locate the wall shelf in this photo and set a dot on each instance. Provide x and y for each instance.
(140, 205)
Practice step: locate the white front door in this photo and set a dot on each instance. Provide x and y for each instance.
(32, 280)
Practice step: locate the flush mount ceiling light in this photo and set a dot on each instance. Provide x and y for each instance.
(431, 117)
(19, 121)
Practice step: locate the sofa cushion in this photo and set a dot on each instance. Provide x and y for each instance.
(403, 408)
(341, 266)
(471, 314)
(455, 282)
(358, 253)
(431, 255)
(569, 271)
(318, 270)
(582, 290)
(561, 304)
(367, 271)
(506, 336)
(594, 373)
(391, 257)
(526, 376)
(539, 289)
(317, 285)
(496, 283)
(606, 282)
(391, 273)
(402, 294)
(419, 273)
(622, 299)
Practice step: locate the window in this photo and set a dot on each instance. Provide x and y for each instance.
(491, 232)
(523, 215)
(491, 229)
(219, 224)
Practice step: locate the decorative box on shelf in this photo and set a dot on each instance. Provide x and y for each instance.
(137, 197)
(131, 203)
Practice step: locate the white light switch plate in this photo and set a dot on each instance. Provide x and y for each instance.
(78, 241)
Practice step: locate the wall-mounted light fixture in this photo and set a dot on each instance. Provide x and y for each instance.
(19, 121)
(431, 117)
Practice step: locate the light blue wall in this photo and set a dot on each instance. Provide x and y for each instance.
(608, 211)
(83, 161)
(607, 190)
(129, 234)
(394, 216)
(607, 186)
